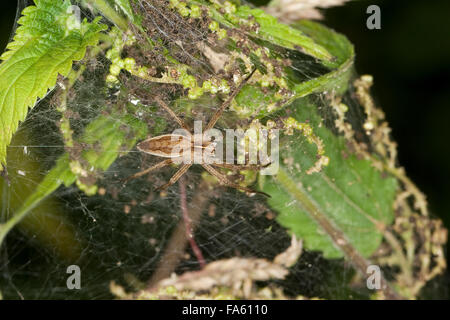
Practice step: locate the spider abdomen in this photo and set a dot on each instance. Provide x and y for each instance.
(166, 146)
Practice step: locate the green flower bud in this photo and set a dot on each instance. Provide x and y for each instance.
(114, 69)
(129, 63)
(229, 7)
(224, 86)
(195, 93)
(173, 3)
(195, 11)
(189, 81)
(207, 85)
(213, 26)
(184, 12)
(222, 34)
(111, 79)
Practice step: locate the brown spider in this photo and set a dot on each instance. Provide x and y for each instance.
(168, 146)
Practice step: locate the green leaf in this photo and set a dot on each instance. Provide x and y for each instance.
(283, 35)
(338, 45)
(254, 102)
(338, 211)
(268, 29)
(111, 10)
(107, 136)
(110, 135)
(251, 100)
(125, 6)
(47, 42)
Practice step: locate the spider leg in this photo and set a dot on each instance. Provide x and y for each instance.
(227, 103)
(175, 177)
(224, 181)
(173, 115)
(157, 166)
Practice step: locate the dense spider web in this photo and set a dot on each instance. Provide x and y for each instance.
(122, 234)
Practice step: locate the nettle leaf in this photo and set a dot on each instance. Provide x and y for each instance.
(125, 6)
(342, 68)
(283, 35)
(339, 210)
(269, 29)
(113, 10)
(337, 44)
(47, 42)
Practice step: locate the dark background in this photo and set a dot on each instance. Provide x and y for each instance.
(410, 61)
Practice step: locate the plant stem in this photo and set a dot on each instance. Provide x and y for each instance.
(187, 223)
(175, 248)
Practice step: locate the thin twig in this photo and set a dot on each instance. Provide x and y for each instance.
(187, 223)
(178, 242)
